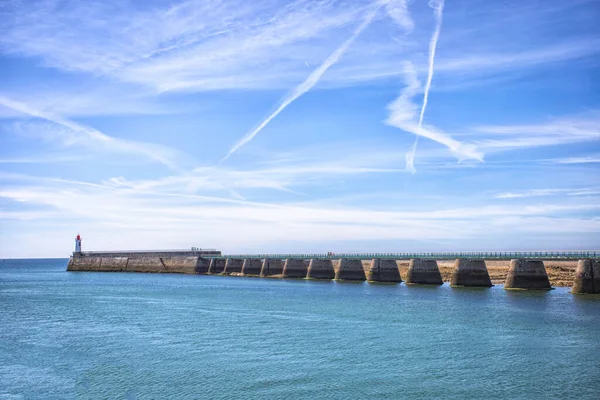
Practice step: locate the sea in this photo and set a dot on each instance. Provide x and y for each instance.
(98, 335)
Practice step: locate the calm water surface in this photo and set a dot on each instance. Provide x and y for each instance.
(147, 336)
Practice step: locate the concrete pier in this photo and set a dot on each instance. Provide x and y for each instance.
(294, 268)
(383, 271)
(472, 273)
(186, 265)
(115, 264)
(271, 266)
(233, 265)
(252, 266)
(193, 261)
(216, 266)
(146, 264)
(587, 277)
(527, 274)
(423, 272)
(320, 269)
(350, 270)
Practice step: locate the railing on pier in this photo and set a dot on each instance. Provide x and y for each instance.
(193, 250)
(486, 255)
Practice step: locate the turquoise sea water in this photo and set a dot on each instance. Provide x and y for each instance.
(150, 336)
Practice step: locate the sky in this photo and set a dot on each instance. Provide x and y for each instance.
(299, 126)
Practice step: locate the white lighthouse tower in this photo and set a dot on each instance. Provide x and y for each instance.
(78, 244)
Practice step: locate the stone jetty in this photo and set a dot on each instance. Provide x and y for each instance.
(183, 262)
(587, 277)
(320, 269)
(470, 273)
(146, 264)
(105, 264)
(422, 271)
(271, 266)
(350, 270)
(527, 270)
(186, 264)
(527, 274)
(216, 266)
(294, 268)
(233, 265)
(252, 266)
(383, 271)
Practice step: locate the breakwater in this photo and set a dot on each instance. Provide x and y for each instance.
(182, 262)
(521, 273)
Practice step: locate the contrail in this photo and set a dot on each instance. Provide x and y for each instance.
(438, 7)
(305, 86)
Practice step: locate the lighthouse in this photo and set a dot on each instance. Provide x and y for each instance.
(78, 244)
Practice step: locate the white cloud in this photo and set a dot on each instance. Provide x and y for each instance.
(549, 192)
(308, 83)
(568, 129)
(235, 44)
(403, 115)
(577, 160)
(71, 133)
(160, 219)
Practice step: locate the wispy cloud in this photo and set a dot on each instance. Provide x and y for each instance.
(305, 86)
(292, 176)
(78, 134)
(438, 8)
(403, 115)
(577, 160)
(235, 44)
(398, 11)
(562, 130)
(126, 216)
(550, 192)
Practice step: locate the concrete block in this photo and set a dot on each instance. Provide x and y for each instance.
(233, 265)
(423, 272)
(180, 264)
(202, 265)
(383, 271)
(587, 277)
(527, 274)
(252, 266)
(350, 270)
(271, 266)
(88, 263)
(113, 264)
(294, 268)
(320, 269)
(83, 263)
(470, 273)
(216, 266)
(145, 264)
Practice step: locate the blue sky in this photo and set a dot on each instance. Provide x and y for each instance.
(290, 126)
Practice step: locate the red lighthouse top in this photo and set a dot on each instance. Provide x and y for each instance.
(78, 237)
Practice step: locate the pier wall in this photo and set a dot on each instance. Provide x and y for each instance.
(139, 262)
(294, 268)
(527, 274)
(320, 269)
(216, 266)
(587, 277)
(472, 273)
(350, 270)
(271, 267)
(423, 272)
(383, 271)
(559, 272)
(233, 266)
(252, 266)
